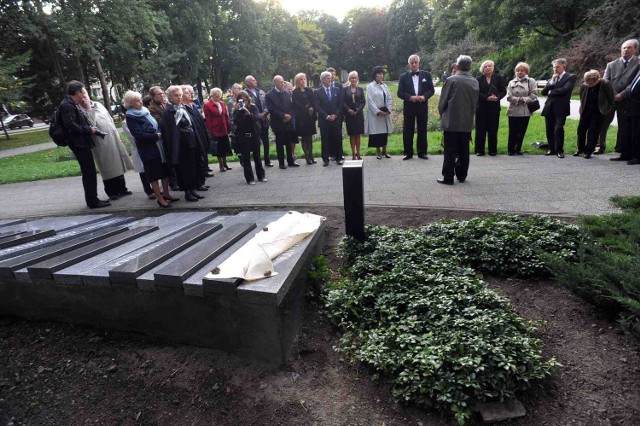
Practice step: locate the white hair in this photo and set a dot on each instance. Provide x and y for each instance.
(324, 74)
(129, 97)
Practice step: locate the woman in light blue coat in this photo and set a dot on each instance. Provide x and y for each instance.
(379, 106)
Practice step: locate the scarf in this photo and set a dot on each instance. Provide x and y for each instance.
(182, 112)
(144, 113)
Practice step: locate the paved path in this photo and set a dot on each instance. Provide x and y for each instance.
(525, 184)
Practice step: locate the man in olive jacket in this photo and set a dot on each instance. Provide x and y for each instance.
(457, 112)
(78, 132)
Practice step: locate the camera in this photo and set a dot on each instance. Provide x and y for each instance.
(240, 103)
(100, 133)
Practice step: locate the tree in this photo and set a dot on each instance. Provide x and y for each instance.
(366, 44)
(406, 23)
(314, 59)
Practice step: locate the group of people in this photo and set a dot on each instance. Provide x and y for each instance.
(172, 135)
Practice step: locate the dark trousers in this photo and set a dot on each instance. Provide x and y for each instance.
(487, 123)
(620, 112)
(115, 186)
(264, 137)
(188, 168)
(284, 139)
(555, 132)
(456, 145)
(631, 146)
(589, 130)
(247, 150)
(331, 139)
(415, 114)
(146, 186)
(517, 130)
(89, 178)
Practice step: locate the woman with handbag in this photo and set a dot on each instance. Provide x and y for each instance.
(521, 95)
(246, 118)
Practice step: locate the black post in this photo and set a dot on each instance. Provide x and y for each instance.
(353, 187)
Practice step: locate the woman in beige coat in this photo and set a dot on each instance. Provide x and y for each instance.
(521, 91)
(379, 106)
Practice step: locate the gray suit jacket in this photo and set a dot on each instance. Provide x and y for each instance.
(458, 103)
(619, 76)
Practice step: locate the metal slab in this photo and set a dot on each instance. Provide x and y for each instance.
(45, 270)
(13, 264)
(141, 261)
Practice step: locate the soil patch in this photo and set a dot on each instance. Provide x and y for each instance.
(52, 373)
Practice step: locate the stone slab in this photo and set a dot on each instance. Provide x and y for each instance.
(10, 222)
(59, 224)
(45, 269)
(181, 267)
(18, 262)
(492, 412)
(353, 187)
(141, 261)
(95, 272)
(195, 285)
(64, 236)
(25, 237)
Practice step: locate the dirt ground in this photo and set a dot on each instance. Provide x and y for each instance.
(60, 374)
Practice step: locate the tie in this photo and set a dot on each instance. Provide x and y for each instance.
(626, 63)
(415, 73)
(329, 94)
(635, 82)
(257, 98)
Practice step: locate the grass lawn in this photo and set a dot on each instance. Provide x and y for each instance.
(59, 162)
(17, 140)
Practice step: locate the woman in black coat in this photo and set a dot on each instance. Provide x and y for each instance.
(246, 119)
(491, 90)
(144, 128)
(353, 101)
(305, 124)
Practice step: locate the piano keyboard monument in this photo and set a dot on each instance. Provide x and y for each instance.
(150, 276)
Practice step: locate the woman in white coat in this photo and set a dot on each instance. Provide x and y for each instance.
(521, 91)
(379, 105)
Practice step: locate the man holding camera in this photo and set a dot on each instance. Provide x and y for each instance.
(78, 133)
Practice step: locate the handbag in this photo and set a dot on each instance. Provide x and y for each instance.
(533, 106)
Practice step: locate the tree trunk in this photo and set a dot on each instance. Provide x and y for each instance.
(103, 81)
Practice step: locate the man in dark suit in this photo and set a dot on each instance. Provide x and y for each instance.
(280, 109)
(620, 73)
(328, 105)
(631, 96)
(257, 96)
(78, 132)
(557, 106)
(415, 88)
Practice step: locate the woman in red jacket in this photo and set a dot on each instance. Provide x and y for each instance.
(217, 120)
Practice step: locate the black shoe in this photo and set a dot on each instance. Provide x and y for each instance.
(151, 196)
(633, 162)
(598, 152)
(462, 180)
(309, 162)
(175, 188)
(202, 188)
(510, 154)
(209, 169)
(125, 193)
(577, 153)
(209, 175)
(480, 154)
(114, 197)
(587, 156)
(282, 166)
(549, 153)
(423, 156)
(99, 204)
(325, 163)
(164, 206)
(195, 194)
(227, 167)
(171, 199)
(313, 160)
(339, 162)
(519, 153)
(620, 158)
(386, 156)
(293, 164)
(493, 154)
(268, 164)
(189, 197)
(445, 182)
(561, 155)
(407, 157)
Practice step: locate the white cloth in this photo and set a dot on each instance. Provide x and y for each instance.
(253, 261)
(416, 83)
(378, 96)
(109, 152)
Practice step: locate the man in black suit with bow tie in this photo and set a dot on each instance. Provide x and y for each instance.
(558, 105)
(281, 111)
(329, 107)
(415, 88)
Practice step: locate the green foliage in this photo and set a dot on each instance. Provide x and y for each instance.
(608, 264)
(319, 274)
(17, 140)
(626, 203)
(412, 309)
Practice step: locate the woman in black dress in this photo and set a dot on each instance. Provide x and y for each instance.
(353, 104)
(491, 90)
(246, 118)
(305, 124)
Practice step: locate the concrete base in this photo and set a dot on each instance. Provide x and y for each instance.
(259, 320)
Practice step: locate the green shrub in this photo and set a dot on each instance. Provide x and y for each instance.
(411, 308)
(319, 274)
(607, 268)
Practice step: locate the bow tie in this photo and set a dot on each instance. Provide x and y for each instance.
(415, 73)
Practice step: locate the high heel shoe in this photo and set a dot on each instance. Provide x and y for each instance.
(353, 157)
(195, 194)
(164, 206)
(227, 167)
(386, 155)
(358, 157)
(170, 198)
